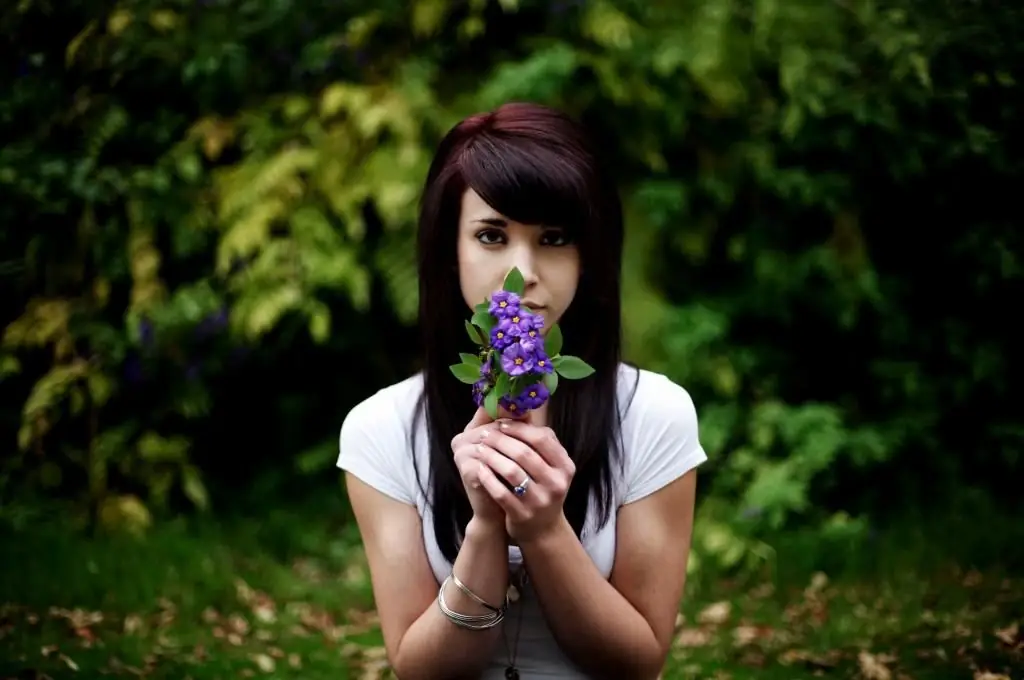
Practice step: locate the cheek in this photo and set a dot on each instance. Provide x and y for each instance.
(473, 274)
(564, 283)
(569, 277)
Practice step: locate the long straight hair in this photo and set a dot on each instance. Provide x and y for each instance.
(534, 165)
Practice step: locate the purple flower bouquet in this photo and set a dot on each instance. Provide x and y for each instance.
(516, 368)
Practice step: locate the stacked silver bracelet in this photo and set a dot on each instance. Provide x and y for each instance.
(471, 622)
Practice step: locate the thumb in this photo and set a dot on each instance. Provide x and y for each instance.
(510, 415)
(481, 417)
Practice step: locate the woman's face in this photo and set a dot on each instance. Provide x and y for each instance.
(490, 245)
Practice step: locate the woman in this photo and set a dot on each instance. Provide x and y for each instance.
(591, 557)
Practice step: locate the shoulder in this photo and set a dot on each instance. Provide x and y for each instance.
(374, 442)
(660, 431)
(644, 393)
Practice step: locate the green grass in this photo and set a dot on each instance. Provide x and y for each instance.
(287, 595)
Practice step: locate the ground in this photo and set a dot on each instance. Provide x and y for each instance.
(288, 597)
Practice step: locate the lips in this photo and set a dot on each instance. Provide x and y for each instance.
(532, 305)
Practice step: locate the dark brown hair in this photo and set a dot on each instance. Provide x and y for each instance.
(533, 165)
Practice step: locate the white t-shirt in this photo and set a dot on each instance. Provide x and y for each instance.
(659, 433)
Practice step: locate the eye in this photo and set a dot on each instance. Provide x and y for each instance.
(490, 237)
(555, 238)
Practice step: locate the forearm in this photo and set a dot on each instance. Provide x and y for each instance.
(616, 641)
(435, 647)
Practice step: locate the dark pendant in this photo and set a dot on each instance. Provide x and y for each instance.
(511, 673)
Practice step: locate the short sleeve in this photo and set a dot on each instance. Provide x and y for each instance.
(665, 441)
(372, 447)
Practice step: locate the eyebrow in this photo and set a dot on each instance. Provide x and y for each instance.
(493, 222)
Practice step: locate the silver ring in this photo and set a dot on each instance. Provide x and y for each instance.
(521, 489)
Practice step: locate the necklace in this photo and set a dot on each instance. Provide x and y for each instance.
(516, 593)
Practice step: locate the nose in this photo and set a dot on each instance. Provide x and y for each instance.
(526, 261)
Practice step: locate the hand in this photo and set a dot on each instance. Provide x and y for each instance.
(485, 509)
(521, 450)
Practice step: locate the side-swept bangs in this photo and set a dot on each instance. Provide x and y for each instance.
(528, 181)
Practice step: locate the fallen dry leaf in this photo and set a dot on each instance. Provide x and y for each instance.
(715, 614)
(69, 662)
(804, 656)
(818, 582)
(238, 624)
(132, 624)
(872, 667)
(693, 637)
(745, 634)
(244, 593)
(350, 650)
(264, 613)
(199, 653)
(264, 662)
(1009, 634)
(78, 618)
(86, 636)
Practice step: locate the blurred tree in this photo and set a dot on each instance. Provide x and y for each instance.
(215, 207)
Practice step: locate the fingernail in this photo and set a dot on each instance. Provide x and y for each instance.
(483, 435)
(503, 424)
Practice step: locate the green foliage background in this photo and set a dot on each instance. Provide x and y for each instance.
(209, 214)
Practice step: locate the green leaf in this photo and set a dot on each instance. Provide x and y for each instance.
(195, 490)
(503, 386)
(514, 282)
(485, 321)
(466, 373)
(474, 334)
(551, 382)
(491, 404)
(482, 307)
(471, 359)
(572, 367)
(553, 341)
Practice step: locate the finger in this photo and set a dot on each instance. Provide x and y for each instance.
(468, 463)
(505, 467)
(481, 417)
(473, 431)
(505, 413)
(529, 460)
(540, 439)
(499, 492)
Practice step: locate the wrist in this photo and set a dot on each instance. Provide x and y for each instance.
(487, 529)
(551, 533)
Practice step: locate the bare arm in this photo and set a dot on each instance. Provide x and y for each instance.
(422, 644)
(631, 616)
